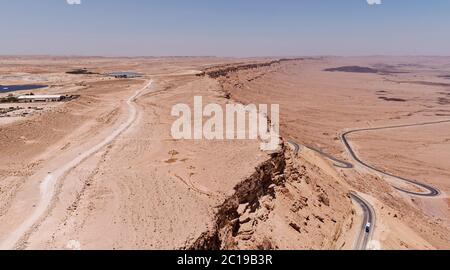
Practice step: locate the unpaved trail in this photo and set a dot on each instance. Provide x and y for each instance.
(48, 185)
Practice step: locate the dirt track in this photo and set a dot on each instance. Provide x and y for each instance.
(48, 185)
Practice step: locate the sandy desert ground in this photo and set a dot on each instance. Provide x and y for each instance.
(102, 171)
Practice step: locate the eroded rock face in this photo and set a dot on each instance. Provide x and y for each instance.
(287, 203)
(282, 205)
(223, 71)
(252, 201)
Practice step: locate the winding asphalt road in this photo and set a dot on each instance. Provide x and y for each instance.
(48, 185)
(368, 210)
(336, 162)
(369, 217)
(432, 192)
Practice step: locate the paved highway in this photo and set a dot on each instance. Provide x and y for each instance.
(338, 163)
(368, 211)
(432, 192)
(369, 218)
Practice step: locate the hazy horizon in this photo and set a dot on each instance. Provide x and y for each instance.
(134, 28)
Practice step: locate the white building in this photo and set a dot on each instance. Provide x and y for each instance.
(40, 98)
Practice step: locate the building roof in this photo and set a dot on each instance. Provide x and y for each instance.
(125, 73)
(40, 97)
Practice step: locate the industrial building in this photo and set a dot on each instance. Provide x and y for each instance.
(40, 98)
(124, 75)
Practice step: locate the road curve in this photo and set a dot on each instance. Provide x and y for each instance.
(369, 217)
(368, 210)
(295, 146)
(48, 185)
(432, 192)
(336, 162)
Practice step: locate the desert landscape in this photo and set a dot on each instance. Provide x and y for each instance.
(362, 164)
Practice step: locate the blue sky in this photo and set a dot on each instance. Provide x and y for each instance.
(225, 27)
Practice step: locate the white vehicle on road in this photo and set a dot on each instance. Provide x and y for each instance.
(368, 227)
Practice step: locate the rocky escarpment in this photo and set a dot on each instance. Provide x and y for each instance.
(251, 196)
(288, 203)
(223, 71)
(229, 76)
